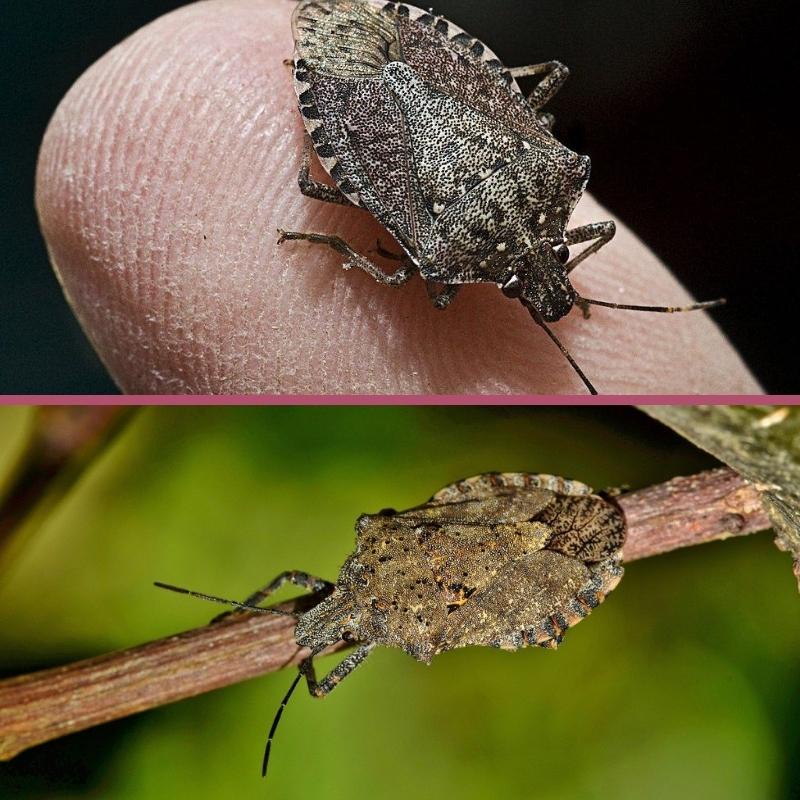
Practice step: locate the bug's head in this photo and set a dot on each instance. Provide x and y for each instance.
(539, 280)
(335, 619)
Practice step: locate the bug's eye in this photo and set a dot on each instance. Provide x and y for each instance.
(561, 252)
(348, 636)
(513, 287)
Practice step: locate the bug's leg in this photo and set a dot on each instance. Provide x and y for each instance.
(442, 297)
(336, 675)
(601, 232)
(314, 189)
(554, 72)
(294, 576)
(547, 121)
(325, 686)
(403, 275)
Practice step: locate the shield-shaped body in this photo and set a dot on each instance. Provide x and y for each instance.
(502, 560)
(420, 124)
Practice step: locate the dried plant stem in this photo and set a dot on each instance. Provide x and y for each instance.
(44, 705)
(683, 512)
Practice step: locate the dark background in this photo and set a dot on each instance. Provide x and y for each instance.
(677, 103)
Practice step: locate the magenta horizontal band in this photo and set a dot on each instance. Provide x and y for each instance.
(397, 399)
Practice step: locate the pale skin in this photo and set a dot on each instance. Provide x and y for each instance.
(162, 179)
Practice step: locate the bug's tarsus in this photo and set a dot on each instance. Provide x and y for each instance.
(214, 599)
(354, 259)
(275, 721)
(542, 324)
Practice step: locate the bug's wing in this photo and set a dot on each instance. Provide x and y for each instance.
(489, 484)
(455, 549)
(533, 602)
(357, 129)
(472, 543)
(581, 524)
(362, 134)
(587, 528)
(481, 513)
(533, 594)
(463, 67)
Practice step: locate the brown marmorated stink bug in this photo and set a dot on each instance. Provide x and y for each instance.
(504, 560)
(420, 124)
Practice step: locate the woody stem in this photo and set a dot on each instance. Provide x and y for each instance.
(45, 705)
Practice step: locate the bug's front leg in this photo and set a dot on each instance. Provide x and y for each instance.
(602, 232)
(354, 259)
(336, 675)
(295, 576)
(554, 72)
(298, 578)
(314, 189)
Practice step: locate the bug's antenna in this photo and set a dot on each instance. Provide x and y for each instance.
(223, 601)
(275, 722)
(541, 323)
(657, 309)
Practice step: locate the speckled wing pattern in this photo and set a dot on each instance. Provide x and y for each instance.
(341, 48)
(447, 120)
(505, 560)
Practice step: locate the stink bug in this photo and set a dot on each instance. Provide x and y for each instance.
(504, 560)
(420, 124)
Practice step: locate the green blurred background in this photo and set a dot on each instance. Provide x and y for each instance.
(684, 684)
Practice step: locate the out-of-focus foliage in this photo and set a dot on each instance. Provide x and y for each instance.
(685, 683)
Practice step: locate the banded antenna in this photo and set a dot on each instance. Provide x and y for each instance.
(235, 603)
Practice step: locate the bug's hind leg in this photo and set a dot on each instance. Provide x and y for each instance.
(442, 296)
(336, 675)
(554, 72)
(294, 576)
(599, 233)
(314, 189)
(354, 259)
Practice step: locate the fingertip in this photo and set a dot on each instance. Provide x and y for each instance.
(162, 179)
(157, 175)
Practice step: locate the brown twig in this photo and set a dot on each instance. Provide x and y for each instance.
(44, 705)
(683, 512)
